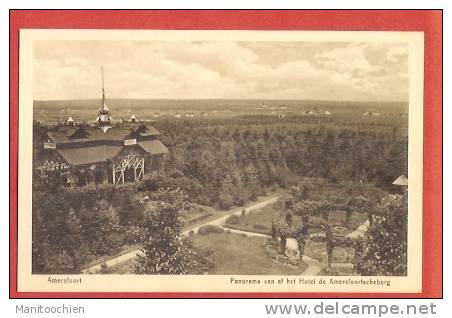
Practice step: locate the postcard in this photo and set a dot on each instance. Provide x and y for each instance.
(208, 161)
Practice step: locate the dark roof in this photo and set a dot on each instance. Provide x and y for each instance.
(87, 155)
(150, 132)
(66, 134)
(154, 147)
(63, 135)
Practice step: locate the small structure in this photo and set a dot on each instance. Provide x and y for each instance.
(156, 115)
(313, 112)
(70, 121)
(371, 114)
(189, 115)
(177, 115)
(401, 181)
(400, 185)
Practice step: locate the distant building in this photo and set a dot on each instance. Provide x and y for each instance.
(101, 153)
(371, 114)
(156, 115)
(177, 115)
(70, 121)
(189, 115)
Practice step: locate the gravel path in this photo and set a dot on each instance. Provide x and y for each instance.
(219, 221)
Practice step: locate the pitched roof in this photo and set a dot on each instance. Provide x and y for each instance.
(401, 181)
(88, 155)
(63, 134)
(154, 147)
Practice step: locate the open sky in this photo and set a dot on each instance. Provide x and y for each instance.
(238, 70)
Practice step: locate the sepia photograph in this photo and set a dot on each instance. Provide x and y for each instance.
(234, 161)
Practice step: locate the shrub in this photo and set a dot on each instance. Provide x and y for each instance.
(175, 174)
(206, 229)
(149, 184)
(331, 272)
(233, 219)
(260, 227)
(225, 200)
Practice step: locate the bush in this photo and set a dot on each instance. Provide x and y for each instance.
(206, 229)
(233, 219)
(260, 227)
(225, 200)
(149, 184)
(175, 174)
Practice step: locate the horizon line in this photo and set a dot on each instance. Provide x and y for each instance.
(251, 99)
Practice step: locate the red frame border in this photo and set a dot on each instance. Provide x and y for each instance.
(427, 21)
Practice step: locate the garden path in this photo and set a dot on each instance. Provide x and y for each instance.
(219, 221)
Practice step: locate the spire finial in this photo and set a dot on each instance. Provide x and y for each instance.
(103, 90)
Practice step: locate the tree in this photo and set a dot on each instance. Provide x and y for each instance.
(289, 218)
(164, 250)
(73, 228)
(301, 236)
(40, 243)
(384, 253)
(359, 204)
(307, 207)
(58, 226)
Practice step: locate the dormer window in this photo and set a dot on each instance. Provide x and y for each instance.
(49, 145)
(129, 142)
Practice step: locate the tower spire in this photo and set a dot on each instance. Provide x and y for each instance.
(103, 109)
(103, 116)
(103, 89)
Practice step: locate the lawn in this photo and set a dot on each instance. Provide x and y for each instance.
(235, 254)
(239, 255)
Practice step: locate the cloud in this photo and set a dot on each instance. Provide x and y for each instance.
(344, 71)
